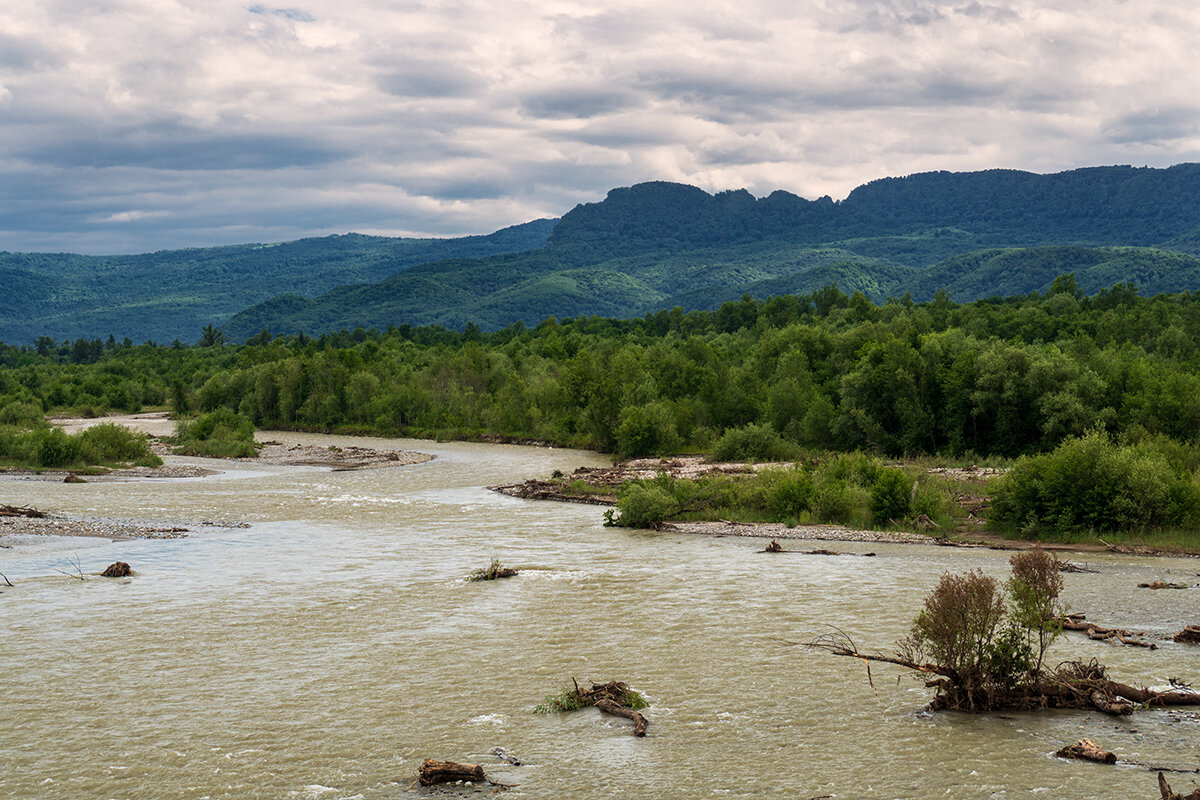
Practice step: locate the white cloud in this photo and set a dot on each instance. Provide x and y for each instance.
(251, 121)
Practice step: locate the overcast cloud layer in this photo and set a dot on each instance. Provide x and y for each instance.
(134, 125)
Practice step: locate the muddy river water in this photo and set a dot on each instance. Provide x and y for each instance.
(329, 647)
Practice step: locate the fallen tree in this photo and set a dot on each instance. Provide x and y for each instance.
(982, 654)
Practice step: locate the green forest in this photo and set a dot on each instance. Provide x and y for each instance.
(992, 380)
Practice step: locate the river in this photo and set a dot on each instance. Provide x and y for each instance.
(328, 648)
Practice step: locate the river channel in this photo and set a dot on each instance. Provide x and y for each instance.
(329, 647)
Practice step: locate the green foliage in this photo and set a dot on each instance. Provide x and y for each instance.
(108, 443)
(1033, 589)
(217, 434)
(891, 496)
(645, 431)
(53, 447)
(1091, 483)
(643, 505)
(789, 493)
(753, 443)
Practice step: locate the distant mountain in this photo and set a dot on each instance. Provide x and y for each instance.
(173, 294)
(655, 245)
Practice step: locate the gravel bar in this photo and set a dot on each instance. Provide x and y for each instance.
(774, 530)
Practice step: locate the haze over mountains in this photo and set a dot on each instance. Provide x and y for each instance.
(646, 247)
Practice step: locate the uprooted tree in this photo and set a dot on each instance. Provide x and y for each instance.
(983, 649)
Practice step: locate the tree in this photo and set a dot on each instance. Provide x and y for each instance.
(211, 336)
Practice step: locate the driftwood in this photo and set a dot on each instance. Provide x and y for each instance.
(118, 569)
(1087, 750)
(775, 547)
(1161, 585)
(434, 772)
(613, 697)
(1189, 635)
(1068, 566)
(492, 572)
(639, 722)
(1077, 622)
(1167, 794)
(21, 511)
(506, 757)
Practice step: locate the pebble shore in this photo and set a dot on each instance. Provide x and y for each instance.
(774, 530)
(51, 525)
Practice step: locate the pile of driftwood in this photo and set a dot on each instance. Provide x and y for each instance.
(614, 698)
(492, 572)
(1189, 635)
(1078, 622)
(21, 511)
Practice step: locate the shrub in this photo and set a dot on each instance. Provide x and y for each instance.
(753, 443)
(108, 443)
(856, 468)
(52, 447)
(1034, 588)
(643, 505)
(837, 501)
(21, 413)
(218, 434)
(789, 493)
(958, 628)
(1091, 483)
(891, 497)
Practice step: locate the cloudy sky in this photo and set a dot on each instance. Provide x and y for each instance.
(135, 125)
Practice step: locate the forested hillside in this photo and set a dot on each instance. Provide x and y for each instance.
(657, 245)
(172, 294)
(644, 248)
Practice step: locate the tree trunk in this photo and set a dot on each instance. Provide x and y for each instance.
(639, 722)
(433, 772)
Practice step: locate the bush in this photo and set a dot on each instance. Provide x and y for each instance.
(891, 496)
(52, 447)
(643, 505)
(789, 493)
(753, 443)
(218, 434)
(958, 628)
(108, 443)
(21, 414)
(837, 501)
(1090, 483)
